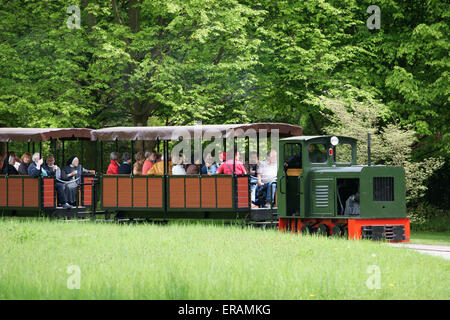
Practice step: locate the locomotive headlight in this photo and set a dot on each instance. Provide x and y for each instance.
(334, 141)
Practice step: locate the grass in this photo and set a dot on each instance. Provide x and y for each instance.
(197, 261)
(441, 238)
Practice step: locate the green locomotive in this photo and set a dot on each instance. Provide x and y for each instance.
(322, 190)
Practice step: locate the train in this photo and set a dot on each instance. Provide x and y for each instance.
(320, 189)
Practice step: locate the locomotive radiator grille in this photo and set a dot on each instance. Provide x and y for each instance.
(322, 196)
(383, 189)
(386, 232)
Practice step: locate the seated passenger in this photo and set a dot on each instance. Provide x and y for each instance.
(23, 167)
(113, 167)
(71, 175)
(150, 159)
(138, 165)
(158, 167)
(194, 168)
(35, 168)
(8, 165)
(50, 169)
(227, 166)
(267, 177)
(17, 161)
(125, 167)
(209, 167)
(252, 168)
(178, 168)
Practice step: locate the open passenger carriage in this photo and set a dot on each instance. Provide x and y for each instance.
(199, 196)
(23, 195)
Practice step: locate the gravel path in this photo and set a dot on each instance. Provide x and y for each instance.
(433, 249)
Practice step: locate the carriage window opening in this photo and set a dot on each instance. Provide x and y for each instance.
(343, 153)
(317, 153)
(293, 155)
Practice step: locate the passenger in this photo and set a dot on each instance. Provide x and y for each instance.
(35, 168)
(53, 171)
(138, 165)
(125, 167)
(51, 168)
(209, 167)
(267, 177)
(252, 168)
(23, 167)
(158, 167)
(17, 160)
(194, 168)
(8, 165)
(227, 166)
(71, 174)
(178, 168)
(113, 167)
(150, 159)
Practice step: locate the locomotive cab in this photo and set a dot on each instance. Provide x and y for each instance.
(321, 187)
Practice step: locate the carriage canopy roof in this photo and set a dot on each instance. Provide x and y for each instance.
(42, 134)
(175, 132)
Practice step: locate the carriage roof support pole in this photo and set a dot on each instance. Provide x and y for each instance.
(101, 156)
(164, 156)
(234, 155)
(117, 144)
(157, 145)
(257, 144)
(7, 158)
(96, 158)
(132, 151)
(33, 147)
(40, 149)
(28, 146)
(63, 155)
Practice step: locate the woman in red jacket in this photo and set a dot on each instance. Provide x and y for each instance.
(113, 167)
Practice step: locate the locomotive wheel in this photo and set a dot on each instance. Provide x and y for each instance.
(305, 229)
(323, 230)
(337, 231)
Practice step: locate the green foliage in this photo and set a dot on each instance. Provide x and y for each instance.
(391, 144)
(229, 61)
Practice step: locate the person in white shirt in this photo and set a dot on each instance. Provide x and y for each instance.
(267, 177)
(178, 168)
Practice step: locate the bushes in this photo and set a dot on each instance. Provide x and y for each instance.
(425, 217)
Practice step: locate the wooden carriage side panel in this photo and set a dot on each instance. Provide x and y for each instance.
(176, 187)
(208, 192)
(155, 192)
(242, 192)
(139, 192)
(31, 192)
(225, 192)
(192, 192)
(109, 188)
(48, 192)
(2, 191)
(124, 194)
(87, 191)
(15, 192)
